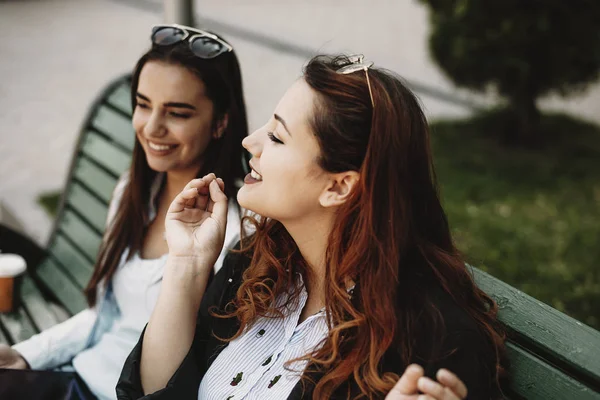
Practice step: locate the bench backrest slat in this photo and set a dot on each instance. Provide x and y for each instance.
(96, 179)
(533, 379)
(35, 305)
(555, 339)
(87, 206)
(115, 125)
(64, 288)
(70, 258)
(105, 154)
(17, 325)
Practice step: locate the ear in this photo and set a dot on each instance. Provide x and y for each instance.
(339, 188)
(221, 126)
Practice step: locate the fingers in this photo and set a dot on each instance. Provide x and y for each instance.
(196, 194)
(407, 384)
(184, 199)
(435, 390)
(452, 381)
(218, 202)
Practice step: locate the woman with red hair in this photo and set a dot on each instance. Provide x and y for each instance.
(350, 275)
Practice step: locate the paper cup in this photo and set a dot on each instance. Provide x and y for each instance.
(11, 267)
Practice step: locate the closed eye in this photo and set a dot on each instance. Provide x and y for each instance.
(274, 138)
(142, 105)
(178, 115)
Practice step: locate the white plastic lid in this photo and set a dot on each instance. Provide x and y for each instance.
(11, 265)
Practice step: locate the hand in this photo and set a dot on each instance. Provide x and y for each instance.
(11, 359)
(196, 220)
(413, 382)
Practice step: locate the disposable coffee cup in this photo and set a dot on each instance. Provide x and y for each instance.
(11, 267)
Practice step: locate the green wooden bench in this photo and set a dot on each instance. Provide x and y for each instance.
(52, 288)
(552, 355)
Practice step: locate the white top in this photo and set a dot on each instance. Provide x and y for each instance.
(136, 286)
(252, 366)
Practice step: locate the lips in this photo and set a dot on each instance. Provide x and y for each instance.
(253, 177)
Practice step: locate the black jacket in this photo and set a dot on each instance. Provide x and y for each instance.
(470, 355)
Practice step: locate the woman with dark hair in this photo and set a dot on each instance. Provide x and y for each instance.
(349, 278)
(189, 118)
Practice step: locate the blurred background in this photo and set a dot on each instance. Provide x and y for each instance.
(511, 89)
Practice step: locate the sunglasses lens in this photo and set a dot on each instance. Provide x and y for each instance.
(205, 47)
(165, 36)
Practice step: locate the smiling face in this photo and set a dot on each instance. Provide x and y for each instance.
(172, 118)
(286, 180)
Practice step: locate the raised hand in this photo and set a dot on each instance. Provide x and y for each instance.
(447, 387)
(196, 219)
(10, 358)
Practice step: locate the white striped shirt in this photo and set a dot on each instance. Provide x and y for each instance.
(252, 365)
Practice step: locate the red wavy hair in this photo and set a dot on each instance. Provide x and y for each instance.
(391, 237)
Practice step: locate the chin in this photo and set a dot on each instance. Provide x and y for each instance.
(158, 166)
(250, 201)
(243, 198)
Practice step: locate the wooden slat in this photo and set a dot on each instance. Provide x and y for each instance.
(106, 153)
(35, 304)
(81, 234)
(121, 98)
(18, 325)
(95, 178)
(535, 380)
(59, 312)
(61, 286)
(72, 260)
(92, 209)
(557, 335)
(115, 125)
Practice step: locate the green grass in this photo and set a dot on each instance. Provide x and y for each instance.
(49, 202)
(529, 217)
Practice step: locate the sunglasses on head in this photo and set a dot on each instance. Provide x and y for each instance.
(203, 44)
(357, 63)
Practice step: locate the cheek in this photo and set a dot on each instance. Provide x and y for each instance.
(195, 136)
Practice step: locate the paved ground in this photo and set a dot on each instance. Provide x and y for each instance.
(56, 55)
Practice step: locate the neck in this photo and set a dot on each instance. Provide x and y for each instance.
(175, 181)
(311, 235)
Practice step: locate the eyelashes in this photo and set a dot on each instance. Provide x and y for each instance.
(173, 114)
(177, 115)
(273, 138)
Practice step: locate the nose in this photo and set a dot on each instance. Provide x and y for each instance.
(154, 126)
(253, 143)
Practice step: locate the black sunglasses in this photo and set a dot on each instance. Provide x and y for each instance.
(203, 44)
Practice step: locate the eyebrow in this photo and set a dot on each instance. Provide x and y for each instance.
(278, 118)
(170, 104)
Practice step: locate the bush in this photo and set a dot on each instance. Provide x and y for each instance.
(523, 49)
(532, 219)
(49, 202)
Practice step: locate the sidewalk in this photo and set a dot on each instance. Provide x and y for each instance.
(62, 52)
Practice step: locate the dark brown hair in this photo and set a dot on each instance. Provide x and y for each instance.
(224, 156)
(391, 237)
